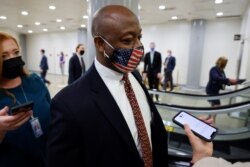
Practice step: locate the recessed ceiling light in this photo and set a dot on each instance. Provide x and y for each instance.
(30, 31)
(83, 25)
(219, 14)
(62, 28)
(20, 26)
(45, 29)
(58, 20)
(37, 23)
(139, 7)
(3, 17)
(52, 7)
(25, 13)
(162, 7)
(218, 1)
(174, 17)
(85, 17)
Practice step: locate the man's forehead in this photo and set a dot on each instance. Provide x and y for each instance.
(119, 20)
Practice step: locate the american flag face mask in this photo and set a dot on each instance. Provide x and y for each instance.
(125, 60)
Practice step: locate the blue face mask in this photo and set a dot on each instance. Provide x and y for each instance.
(125, 60)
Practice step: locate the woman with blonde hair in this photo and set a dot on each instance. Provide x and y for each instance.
(23, 135)
(218, 80)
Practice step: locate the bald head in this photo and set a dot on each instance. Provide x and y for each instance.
(107, 17)
(114, 26)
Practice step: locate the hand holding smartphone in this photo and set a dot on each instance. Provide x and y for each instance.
(22, 108)
(199, 128)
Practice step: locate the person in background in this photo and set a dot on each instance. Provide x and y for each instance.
(126, 128)
(152, 68)
(169, 65)
(20, 145)
(217, 81)
(202, 152)
(62, 62)
(44, 67)
(76, 64)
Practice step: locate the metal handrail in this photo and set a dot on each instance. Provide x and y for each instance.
(203, 97)
(207, 110)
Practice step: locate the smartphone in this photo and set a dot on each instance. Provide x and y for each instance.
(22, 108)
(240, 81)
(198, 127)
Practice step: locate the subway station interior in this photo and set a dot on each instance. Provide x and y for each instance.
(197, 32)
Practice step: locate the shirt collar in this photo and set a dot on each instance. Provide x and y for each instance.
(78, 55)
(107, 73)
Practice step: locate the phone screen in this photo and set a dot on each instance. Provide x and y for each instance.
(196, 125)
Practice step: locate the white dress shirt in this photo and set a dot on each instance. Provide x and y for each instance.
(79, 57)
(113, 80)
(152, 56)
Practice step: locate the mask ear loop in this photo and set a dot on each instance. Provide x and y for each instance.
(106, 41)
(105, 54)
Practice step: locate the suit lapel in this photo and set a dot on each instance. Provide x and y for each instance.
(107, 105)
(77, 61)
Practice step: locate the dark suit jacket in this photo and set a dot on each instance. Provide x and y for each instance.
(44, 63)
(155, 67)
(75, 69)
(170, 65)
(89, 130)
(217, 81)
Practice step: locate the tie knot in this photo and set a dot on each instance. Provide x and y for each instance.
(125, 77)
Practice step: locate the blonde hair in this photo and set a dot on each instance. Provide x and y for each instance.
(221, 62)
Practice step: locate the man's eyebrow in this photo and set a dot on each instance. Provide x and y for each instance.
(132, 33)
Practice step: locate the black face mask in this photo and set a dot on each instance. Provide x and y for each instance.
(13, 67)
(81, 52)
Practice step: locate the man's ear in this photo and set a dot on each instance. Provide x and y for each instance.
(99, 44)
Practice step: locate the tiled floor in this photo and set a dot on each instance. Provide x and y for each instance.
(57, 83)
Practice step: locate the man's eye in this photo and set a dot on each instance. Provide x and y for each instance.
(127, 41)
(139, 37)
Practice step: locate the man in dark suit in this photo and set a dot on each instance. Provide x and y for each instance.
(44, 67)
(169, 65)
(76, 64)
(152, 67)
(93, 122)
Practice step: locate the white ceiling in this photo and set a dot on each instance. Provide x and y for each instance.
(71, 12)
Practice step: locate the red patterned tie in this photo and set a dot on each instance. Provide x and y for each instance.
(142, 132)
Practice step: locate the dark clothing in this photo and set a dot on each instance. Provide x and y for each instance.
(168, 71)
(138, 75)
(43, 76)
(88, 128)
(75, 68)
(44, 63)
(217, 81)
(20, 148)
(152, 69)
(170, 60)
(44, 67)
(168, 80)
